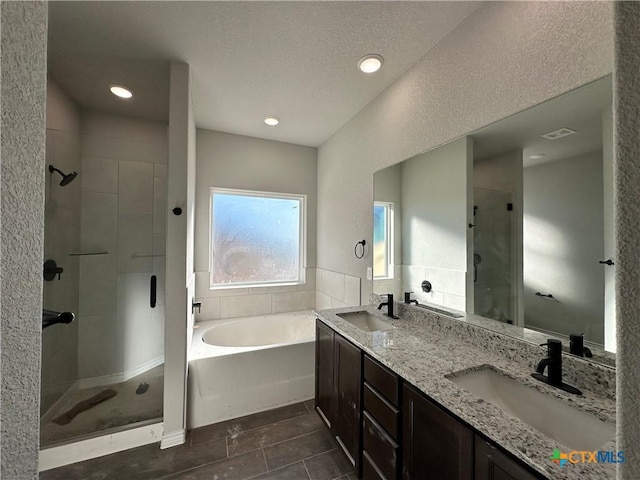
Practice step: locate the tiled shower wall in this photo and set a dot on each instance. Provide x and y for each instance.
(124, 188)
(62, 236)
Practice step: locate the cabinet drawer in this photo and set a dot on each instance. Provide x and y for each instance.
(370, 470)
(383, 379)
(380, 447)
(381, 410)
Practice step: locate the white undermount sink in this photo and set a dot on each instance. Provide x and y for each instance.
(366, 321)
(573, 428)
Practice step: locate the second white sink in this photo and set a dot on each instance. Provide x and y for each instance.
(573, 428)
(366, 321)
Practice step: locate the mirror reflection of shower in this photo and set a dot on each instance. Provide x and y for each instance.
(66, 178)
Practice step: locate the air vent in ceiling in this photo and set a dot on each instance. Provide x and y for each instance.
(556, 134)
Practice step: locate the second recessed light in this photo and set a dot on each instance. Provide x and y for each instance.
(120, 91)
(271, 120)
(370, 63)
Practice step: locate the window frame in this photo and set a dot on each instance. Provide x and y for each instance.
(302, 237)
(389, 236)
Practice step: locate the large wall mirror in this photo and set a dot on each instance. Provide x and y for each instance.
(513, 222)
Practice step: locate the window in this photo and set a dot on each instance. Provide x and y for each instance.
(257, 238)
(383, 240)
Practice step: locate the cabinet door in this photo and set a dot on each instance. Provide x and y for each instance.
(436, 446)
(348, 362)
(492, 464)
(325, 385)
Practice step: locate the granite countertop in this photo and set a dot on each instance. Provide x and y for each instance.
(425, 347)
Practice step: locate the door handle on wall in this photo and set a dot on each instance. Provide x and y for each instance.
(195, 305)
(152, 291)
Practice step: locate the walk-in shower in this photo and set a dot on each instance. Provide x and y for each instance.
(105, 226)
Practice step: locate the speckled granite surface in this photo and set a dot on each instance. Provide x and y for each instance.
(424, 347)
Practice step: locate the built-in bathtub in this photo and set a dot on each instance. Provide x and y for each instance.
(251, 364)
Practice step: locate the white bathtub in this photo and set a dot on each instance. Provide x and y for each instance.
(246, 365)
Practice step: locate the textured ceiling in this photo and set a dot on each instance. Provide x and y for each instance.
(295, 60)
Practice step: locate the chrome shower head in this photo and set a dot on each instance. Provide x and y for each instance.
(66, 179)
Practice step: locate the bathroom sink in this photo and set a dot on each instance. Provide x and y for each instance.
(573, 428)
(366, 321)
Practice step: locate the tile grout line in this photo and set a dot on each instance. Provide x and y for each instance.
(265, 460)
(263, 426)
(306, 469)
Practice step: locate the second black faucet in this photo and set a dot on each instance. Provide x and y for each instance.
(389, 305)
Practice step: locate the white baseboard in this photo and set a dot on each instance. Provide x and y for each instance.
(173, 439)
(99, 446)
(120, 377)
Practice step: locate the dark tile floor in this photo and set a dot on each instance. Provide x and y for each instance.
(287, 443)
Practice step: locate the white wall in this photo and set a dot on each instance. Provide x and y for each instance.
(179, 254)
(61, 236)
(24, 84)
(123, 180)
(563, 242)
(626, 107)
(462, 84)
(435, 204)
(232, 161)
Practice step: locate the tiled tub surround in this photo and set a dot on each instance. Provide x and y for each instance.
(241, 302)
(230, 381)
(424, 347)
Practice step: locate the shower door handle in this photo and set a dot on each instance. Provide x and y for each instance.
(153, 289)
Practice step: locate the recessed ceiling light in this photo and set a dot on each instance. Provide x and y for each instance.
(370, 63)
(556, 134)
(120, 91)
(537, 156)
(271, 120)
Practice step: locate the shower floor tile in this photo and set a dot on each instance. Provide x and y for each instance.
(286, 443)
(126, 408)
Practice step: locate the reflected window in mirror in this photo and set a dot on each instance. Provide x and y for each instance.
(382, 240)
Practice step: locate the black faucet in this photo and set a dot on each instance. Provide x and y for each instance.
(554, 364)
(576, 346)
(389, 305)
(408, 300)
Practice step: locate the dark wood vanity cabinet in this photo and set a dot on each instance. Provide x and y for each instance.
(392, 431)
(338, 389)
(325, 385)
(381, 422)
(435, 445)
(492, 464)
(348, 379)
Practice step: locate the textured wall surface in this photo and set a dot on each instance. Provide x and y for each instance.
(626, 107)
(24, 82)
(505, 57)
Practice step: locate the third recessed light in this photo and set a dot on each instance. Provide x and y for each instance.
(370, 63)
(271, 120)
